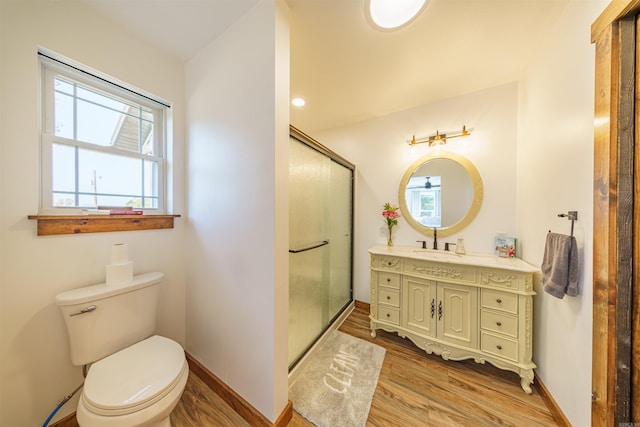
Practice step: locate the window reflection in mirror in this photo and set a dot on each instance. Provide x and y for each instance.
(423, 200)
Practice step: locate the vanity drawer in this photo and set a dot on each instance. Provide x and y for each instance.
(389, 297)
(500, 301)
(505, 279)
(498, 322)
(389, 280)
(499, 346)
(385, 263)
(388, 314)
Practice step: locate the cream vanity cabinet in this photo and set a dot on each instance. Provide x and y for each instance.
(458, 307)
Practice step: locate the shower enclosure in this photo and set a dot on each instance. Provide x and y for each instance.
(320, 241)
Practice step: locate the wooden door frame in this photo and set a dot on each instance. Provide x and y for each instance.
(615, 304)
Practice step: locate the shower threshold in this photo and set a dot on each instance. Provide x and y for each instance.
(299, 365)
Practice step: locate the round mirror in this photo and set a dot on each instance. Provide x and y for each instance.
(441, 190)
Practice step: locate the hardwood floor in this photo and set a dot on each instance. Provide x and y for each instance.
(201, 407)
(414, 389)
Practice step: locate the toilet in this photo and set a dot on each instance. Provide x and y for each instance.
(135, 378)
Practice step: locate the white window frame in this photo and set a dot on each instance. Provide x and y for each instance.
(52, 65)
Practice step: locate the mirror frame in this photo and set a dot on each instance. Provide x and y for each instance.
(476, 202)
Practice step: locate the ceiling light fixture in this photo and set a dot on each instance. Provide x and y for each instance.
(392, 14)
(298, 102)
(440, 138)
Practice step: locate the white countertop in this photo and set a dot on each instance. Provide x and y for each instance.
(480, 260)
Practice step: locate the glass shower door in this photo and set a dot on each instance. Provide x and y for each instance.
(319, 245)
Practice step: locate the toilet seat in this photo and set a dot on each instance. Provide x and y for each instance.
(135, 377)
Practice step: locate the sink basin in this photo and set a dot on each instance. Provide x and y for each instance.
(432, 253)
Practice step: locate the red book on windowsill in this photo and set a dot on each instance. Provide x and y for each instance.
(125, 212)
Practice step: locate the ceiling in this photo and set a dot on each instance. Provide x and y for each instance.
(348, 71)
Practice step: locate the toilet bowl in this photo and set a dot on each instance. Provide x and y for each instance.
(137, 386)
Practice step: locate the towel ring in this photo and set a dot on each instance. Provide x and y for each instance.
(571, 216)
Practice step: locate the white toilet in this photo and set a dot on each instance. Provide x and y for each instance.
(135, 379)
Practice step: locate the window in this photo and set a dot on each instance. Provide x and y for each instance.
(102, 144)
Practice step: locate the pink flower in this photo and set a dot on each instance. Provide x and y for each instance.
(391, 215)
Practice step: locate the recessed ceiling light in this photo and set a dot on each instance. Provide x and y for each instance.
(392, 14)
(298, 102)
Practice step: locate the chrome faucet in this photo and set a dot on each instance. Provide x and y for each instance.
(435, 238)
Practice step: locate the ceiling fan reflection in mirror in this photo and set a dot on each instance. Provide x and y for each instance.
(428, 184)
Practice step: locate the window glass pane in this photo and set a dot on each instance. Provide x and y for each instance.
(63, 200)
(150, 185)
(63, 86)
(99, 125)
(148, 147)
(92, 201)
(99, 99)
(63, 170)
(108, 173)
(63, 114)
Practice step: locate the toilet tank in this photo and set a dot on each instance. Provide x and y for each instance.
(104, 319)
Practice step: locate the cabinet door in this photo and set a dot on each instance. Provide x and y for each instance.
(419, 303)
(457, 314)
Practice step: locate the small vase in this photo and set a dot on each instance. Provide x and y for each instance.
(390, 239)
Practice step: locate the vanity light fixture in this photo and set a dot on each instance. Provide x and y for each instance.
(440, 138)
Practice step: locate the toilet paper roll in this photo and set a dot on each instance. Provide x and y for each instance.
(119, 254)
(119, 274)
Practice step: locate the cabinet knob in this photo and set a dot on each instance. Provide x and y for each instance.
(388, 297)
(388, 315)
(388, 280)
(498, 300)
(499, 347)
(499, 323)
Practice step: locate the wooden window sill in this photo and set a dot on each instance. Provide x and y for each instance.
(50, 225)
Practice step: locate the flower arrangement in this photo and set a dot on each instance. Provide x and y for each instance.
(391, 215)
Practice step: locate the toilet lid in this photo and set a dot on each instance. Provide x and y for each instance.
(134, 377)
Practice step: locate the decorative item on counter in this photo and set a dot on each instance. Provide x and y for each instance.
(391, 215)
(505, 246)
(460, 246)
(120, 271)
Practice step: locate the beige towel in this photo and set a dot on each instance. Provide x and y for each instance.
(560, 265)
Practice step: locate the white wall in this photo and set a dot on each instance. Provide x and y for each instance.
(555, 175)
(237, 311)
(36, 371)
(379, 150)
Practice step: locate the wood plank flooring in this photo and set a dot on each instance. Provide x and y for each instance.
(200, 406)
(414, 390)
(418, 389)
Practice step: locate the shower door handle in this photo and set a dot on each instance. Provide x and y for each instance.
(308, 248)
